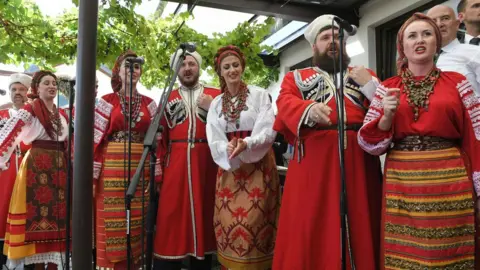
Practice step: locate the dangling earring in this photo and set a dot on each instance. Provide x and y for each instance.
(405, 60)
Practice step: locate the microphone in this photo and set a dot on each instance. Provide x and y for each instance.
(138, 60)
(349, 28)
(189, 47)
(3, 92)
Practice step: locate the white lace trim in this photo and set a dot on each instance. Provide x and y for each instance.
(51, 257)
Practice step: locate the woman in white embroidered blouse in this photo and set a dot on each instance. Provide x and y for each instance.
(37, 214)
(240, 136)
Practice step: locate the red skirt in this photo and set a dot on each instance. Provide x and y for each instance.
(428, 211)
(110, 217)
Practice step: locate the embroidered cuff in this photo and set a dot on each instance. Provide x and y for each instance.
(377, 149)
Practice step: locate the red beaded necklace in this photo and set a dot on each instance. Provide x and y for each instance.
(231, 107)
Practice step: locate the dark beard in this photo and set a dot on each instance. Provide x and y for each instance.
(325, 62)
(191, 83)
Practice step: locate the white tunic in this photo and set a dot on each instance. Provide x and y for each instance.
(258, 119)
(32, 131)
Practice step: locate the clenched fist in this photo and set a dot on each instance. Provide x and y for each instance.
(360, 75)
(204, 101)
(319, 113)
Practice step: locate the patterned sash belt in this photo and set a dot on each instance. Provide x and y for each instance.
(51, 145)
(355, 127)
(239, 134)
(122, 136)
(423, 143)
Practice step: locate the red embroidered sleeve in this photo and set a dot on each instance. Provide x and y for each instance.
(103, 112)
(471, 129)
(370, 137)
(292, 109)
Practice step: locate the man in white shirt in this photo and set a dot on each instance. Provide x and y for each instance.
(454, 56)
(469, 14)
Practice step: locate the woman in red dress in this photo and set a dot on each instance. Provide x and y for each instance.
(432, 172)
(110, 169)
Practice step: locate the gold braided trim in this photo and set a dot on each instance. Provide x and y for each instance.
(114, 225)
(442, 206)
(122, 136)
(420, 175)
(428, 245)
(120, 243)
(121, 200)
(430, 233)
(454, 264)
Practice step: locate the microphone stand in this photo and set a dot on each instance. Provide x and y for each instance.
(128, 202)
(69, 173)
(149, 145)
(345, 235)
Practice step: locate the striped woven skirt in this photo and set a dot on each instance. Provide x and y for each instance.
(110, 217)
(428, 211)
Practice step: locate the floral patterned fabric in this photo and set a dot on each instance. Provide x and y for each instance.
(247, 202)
(46, 205)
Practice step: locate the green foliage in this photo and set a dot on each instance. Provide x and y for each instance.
(30, 37)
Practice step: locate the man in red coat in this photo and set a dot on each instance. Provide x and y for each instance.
(309, 229)
(187, 189)
(18, 87)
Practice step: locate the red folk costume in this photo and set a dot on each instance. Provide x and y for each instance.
(110, 173)
(8, 176)
(433, 169)
(309, 227)
(187, 193)
(37, 212)
(428, 209)
(310, 238)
